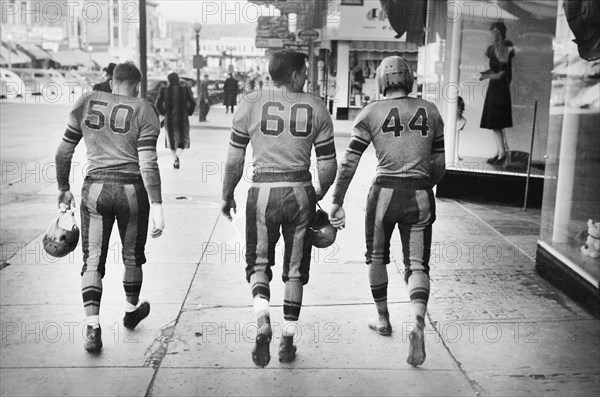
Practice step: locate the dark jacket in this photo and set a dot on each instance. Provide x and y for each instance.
(176, 103)
(104, 86)
(230, 91)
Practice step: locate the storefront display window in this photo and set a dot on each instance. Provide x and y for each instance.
(572, 190)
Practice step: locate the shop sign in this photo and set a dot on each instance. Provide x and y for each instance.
(308, 35)
(362, 22)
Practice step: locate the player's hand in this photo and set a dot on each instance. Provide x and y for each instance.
(158, 220)
(227, 206)
(337, 216)
(66, 200)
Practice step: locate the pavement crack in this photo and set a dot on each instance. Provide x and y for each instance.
(158, 349)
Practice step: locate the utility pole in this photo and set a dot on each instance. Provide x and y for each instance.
(197, 29)
(143, 54)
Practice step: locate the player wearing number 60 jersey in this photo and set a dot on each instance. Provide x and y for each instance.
(408, 135)
(120, 132)
(282, 124)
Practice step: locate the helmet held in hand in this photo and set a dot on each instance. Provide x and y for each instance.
(59, 241)
(323, 234)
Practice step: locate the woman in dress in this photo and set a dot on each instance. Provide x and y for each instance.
(497, 112)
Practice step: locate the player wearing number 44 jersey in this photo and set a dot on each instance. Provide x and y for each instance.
(282, 124)
(408, 135)
(120, 133)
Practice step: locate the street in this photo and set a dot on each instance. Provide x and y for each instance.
(494, 326)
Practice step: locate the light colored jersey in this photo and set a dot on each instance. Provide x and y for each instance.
(120, 135)
(406, 133)
(282, 128)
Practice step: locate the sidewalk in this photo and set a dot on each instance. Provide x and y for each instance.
(494, 327)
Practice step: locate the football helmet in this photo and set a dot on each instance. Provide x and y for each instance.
(394, 72)
(323, 234)
(60, 241)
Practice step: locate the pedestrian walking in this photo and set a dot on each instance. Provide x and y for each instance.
(497, 108)
(282, 127)
(122, 182)
(408, 135)
(230, 92)
(105, 85)
(176, 103)
(204, 103)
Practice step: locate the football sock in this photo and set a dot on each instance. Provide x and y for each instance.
(261, 307)
(132, 284)
(129, 307)
(259, 284)
(94, 321)
(289, 328)
(91, 292)
(292, 300)
(418, 291)
(378, 279)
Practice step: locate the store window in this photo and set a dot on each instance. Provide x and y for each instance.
(572, 187)
(499, 78)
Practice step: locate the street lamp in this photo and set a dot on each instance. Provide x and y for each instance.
(230, 55)
(197, 29)
(89, 49)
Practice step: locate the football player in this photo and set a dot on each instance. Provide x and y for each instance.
(122, 183)
(408, 136)
(283, 124)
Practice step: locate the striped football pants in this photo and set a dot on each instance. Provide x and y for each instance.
(107, 197)
(288, 207)
(413, 210)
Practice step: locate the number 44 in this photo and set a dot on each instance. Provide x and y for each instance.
(418, 122)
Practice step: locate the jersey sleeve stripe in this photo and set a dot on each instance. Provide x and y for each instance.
(74, 129)
(71, 136)
(237, 145)
(238, 132)
(325, 142)
(327, 157)
(325, 150)
(238, 139)
(146, 143)
(357, 145)
(438, 146)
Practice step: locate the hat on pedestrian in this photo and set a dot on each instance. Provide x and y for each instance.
(110, 68)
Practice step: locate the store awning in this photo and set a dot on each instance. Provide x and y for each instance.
(383, 46)
(73, 58)
(34, 51)
(13, 56)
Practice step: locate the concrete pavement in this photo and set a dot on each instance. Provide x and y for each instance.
(494, 327)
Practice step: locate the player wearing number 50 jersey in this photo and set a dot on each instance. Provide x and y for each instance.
(283, 124)
(120, 132)
(408, 136)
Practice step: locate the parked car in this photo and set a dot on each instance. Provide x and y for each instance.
(43, 81)
(11, 85)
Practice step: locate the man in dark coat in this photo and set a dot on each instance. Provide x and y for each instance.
(176, 103)
(204, 104)
(230, 91)
(105, 85)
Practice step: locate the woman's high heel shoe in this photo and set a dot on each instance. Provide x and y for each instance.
(500, 160)
(492, 160)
